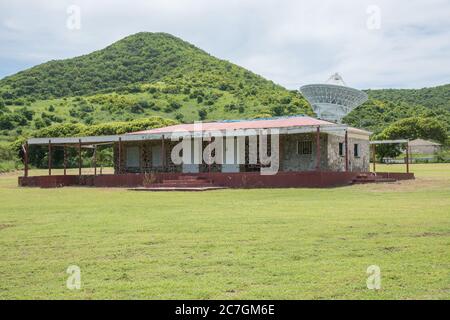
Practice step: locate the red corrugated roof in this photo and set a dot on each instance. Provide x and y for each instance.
(244, 124)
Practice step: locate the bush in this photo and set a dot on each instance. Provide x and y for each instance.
(202, 113)
(179, 116)
(6, 123)
(7, 166)
(409, 128)
(27, 113)
(8, 161)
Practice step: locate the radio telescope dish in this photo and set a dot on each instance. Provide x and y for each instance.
(333, 100)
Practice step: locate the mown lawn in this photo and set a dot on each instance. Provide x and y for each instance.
(229, 244)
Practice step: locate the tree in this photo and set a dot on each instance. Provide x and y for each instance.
(410, 128)
(6, 123)
(104, 158)
(179, 116)
(27, 113)
(278, 110)
(202, 113)
(417, 127)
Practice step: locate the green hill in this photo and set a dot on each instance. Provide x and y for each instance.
(432, 98)
(146, 74)
(386, 106)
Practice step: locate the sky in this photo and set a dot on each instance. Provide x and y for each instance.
(371, 43)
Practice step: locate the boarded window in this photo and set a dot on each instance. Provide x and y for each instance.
(341, 149)
(156, 156)
(304, 147)
(133, 157)
(356, 150)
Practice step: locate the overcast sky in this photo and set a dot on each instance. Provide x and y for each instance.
(373, 44)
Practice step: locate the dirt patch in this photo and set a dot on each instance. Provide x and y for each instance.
(5, 225)
(432, 234)
(407, 185)
(392, 249)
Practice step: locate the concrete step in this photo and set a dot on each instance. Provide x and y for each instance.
(153, 188)
(196, 181)
(191, 178)
(182, 185)
(366, 176)
(377, 180)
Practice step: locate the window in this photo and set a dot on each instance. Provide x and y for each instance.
(356, 150)
(133, 157)
(341, 149)
(304, 147)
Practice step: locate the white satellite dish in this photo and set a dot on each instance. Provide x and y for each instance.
(333, 100)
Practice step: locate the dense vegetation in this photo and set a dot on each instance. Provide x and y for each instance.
(147, 73)
(432, 98)
(390, 105)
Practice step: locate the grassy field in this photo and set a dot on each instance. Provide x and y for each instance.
(229, 244)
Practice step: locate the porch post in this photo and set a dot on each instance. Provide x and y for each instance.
(25, 159)
(65, 159)
(318, 149)
(346, 150)
(119, 161)
(49, 156)
(281, 151)
(79, 157)
(163, 154)
(95, 160)
(407, 157)
(373, 157)
(141, 149)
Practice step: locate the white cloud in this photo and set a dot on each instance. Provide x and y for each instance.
(290, 42)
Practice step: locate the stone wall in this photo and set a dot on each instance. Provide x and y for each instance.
(291, 160)
(336, 162)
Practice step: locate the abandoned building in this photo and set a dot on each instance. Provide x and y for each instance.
(421, 146)
(304, 152)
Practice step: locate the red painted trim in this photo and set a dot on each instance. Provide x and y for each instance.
(306, 179)
(396, 175)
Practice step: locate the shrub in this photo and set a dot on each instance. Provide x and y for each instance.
(202, 113)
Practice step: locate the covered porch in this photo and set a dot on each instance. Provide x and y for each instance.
(309, 156)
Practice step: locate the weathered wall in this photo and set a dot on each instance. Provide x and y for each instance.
(425, 149)
(290, 159)
(293, 161)
(362, 162)
(336, 162)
